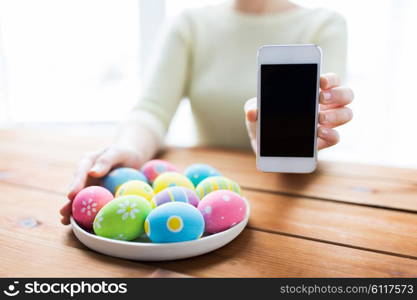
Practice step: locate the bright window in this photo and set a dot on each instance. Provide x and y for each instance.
(382, 64)
(69, 60)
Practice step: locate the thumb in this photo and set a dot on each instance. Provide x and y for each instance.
(251, 113)
(104, 163)
(251, 110)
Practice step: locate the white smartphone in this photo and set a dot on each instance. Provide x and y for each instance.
(288, 101)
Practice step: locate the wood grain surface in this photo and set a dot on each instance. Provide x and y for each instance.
(345, 220)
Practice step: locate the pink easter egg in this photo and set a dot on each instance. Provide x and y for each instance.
(221, 210)
(155, 167)
(87, 204)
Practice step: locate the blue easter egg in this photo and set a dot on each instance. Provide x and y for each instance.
(174, 222)
(198, 172)
(117, 177)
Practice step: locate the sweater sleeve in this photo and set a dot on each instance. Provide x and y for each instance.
(331, 36)
(165, 85)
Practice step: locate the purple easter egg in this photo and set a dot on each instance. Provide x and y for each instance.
(176, 193)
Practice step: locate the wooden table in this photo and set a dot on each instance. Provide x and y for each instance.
(344, 220)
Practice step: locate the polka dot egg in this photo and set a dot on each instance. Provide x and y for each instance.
(198, 172)
(136, 187)
(122, 218)
(175, 193)
(211, 184)
(174, 222)
(221, 210)
(170, 179)
(87, 203)
(117, 177)
(156, 167)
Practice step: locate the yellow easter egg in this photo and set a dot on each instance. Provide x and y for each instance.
(170, 179)
(136, 187)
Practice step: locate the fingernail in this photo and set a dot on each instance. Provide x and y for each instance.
(348, 115)
(97, 168)
(251, 116)
(324, 130)
(327, 96)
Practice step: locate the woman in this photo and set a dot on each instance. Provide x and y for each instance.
(209, 56)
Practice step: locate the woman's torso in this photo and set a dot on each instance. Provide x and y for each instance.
(222, 75)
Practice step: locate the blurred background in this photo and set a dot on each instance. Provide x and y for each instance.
(76, 62)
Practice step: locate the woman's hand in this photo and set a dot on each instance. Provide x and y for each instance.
(333, 111)
(95, 165)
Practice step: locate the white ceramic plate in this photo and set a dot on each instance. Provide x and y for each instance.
(147, 251)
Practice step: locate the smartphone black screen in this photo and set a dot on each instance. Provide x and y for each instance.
(288, 107)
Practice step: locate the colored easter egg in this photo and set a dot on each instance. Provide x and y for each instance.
(174, 222)
(221, 210)
(169, 179)
(214, 183)
(156, 167)
(117, 177)
(136, 187)
(198, 172)
(122, 218)
(87, 204)
(175, 193)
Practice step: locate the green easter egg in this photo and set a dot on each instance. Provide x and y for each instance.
(122, 218)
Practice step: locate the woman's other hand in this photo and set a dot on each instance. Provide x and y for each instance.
(333, 111)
